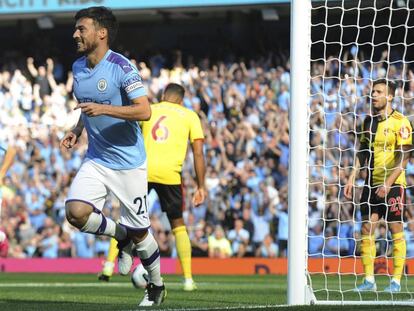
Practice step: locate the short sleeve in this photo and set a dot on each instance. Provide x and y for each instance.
(404, 133)
(132, 84)
(196, 131)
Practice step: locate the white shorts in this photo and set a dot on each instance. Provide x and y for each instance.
(93, 182)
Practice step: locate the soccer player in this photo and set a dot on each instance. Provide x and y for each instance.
(112, 99)
(385, 145)
(166, 137)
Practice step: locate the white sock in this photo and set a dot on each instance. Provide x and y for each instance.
(149, 253)
(99, 224)
(396, 281)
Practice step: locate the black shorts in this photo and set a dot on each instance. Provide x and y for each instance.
(171, 199)
(391, 208)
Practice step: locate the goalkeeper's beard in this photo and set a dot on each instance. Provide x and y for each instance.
(382, 110)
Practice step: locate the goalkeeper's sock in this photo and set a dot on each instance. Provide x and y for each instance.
(149, 253)
(182, 242)
(399, 251)
(368, 252)
(99, 224)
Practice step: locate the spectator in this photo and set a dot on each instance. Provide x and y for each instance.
(268, 248)
(65, 245)
(218, 245)
(199, 242)
(316, 241)
(49, 244)
(83, 245)
(239, 238)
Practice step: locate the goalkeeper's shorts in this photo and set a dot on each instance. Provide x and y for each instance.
(391, 208)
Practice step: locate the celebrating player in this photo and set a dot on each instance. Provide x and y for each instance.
(112, 99)
(385, 143)
(166, 137)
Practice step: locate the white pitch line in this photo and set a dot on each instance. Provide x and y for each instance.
(121, 284)
(113, 284)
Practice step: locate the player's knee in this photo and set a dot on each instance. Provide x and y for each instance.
(77, 213)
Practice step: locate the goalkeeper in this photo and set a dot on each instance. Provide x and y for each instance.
(385, 145)
(166, 137)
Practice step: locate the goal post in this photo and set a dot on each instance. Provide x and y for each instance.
(298, 141)
(338, 49)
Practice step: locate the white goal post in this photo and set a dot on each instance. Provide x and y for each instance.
(338, 49)
(298, 154)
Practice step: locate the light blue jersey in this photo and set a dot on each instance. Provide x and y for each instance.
(113, 142)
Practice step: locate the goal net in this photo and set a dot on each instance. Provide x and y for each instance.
(352, 45)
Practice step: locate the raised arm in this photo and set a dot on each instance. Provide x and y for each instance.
(49, 72)
(30, 66)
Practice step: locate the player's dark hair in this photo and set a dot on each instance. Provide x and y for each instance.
(390, 84)
(102, 17)
(176, 89)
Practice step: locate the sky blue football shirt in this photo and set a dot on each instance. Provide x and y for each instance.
(112, 142)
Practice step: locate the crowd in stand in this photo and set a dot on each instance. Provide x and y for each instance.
(244, 112)
(246, 151)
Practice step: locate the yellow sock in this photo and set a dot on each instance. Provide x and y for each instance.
(182, 242)
(108, 268)
(399, 251)
(368, 253)
(113, 251)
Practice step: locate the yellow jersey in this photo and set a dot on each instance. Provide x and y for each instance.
(383, 138)
(166, 137)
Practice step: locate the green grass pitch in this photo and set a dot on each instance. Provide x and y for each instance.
(78, 292)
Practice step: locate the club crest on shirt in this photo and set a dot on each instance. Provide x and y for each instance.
(404, 132)
(386, 131)
(102, 85)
